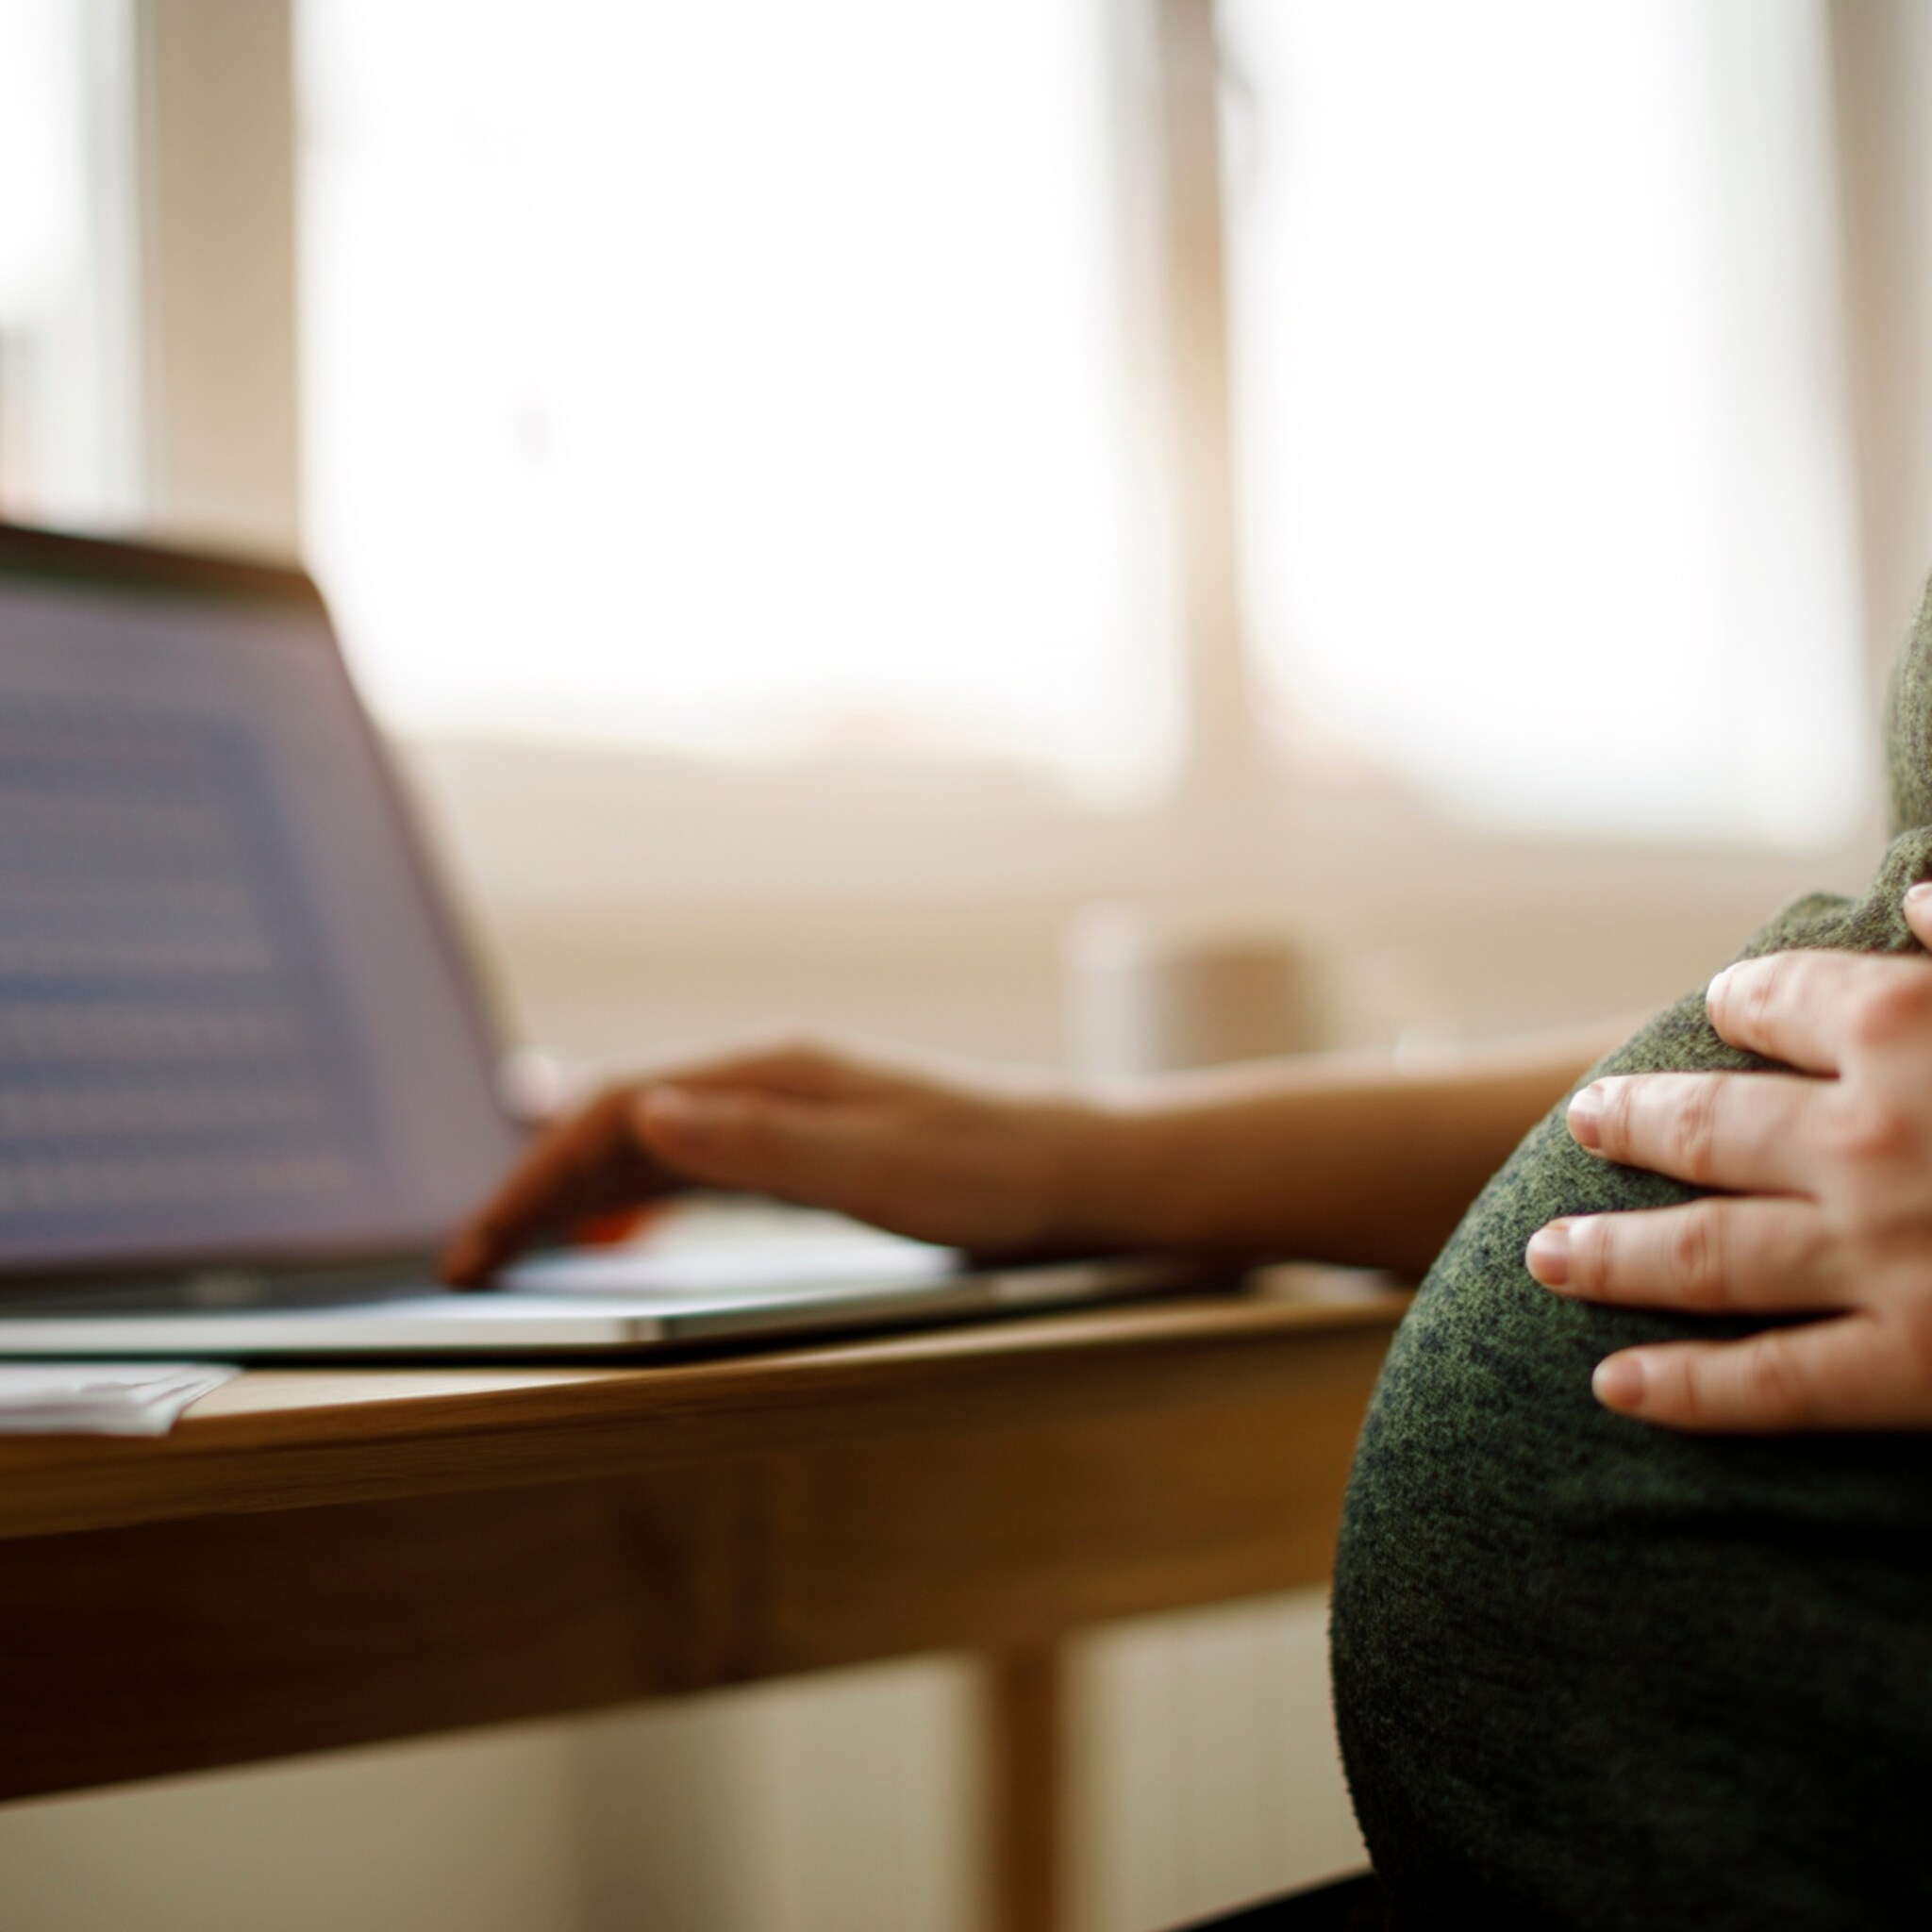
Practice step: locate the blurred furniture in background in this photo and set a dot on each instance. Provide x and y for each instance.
(1150, 997)
(320, 1559)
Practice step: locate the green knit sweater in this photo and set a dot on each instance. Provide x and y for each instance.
(1592, 1674)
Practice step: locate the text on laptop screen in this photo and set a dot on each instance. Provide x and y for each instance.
(230, 1024)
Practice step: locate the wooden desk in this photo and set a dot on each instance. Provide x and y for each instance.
(316, 1559)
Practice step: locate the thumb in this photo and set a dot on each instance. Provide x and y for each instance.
(757, 1142)
(1919, 912)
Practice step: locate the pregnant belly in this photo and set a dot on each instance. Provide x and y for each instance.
(1588, 1673)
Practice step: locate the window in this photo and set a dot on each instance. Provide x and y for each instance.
(731, 378)
(1537, 377)
(69, 451)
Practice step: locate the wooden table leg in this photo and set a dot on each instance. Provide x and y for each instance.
(1027, 1799)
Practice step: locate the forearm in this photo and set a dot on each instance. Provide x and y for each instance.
(1351, 1159)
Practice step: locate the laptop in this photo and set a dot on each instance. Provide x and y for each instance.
(248, 1081)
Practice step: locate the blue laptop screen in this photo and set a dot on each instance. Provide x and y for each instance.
(231, 1024)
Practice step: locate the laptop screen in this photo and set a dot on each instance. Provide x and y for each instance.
(233, 1025)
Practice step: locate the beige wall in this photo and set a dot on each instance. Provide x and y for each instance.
(469, 1837)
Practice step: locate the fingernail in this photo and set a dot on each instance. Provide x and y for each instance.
(1920, 894)
(1619, 1381)
(1586, 1118)
(1548, 1253)
(1718, 980)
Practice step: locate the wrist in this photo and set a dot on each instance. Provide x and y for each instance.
(1102, 1178)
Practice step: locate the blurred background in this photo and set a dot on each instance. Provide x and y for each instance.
(905, 519)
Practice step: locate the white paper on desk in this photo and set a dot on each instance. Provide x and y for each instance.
(102, 1398)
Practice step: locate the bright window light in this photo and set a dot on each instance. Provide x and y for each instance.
(42, 142)
(732, 378)
(1546, 508)
(69, 450)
